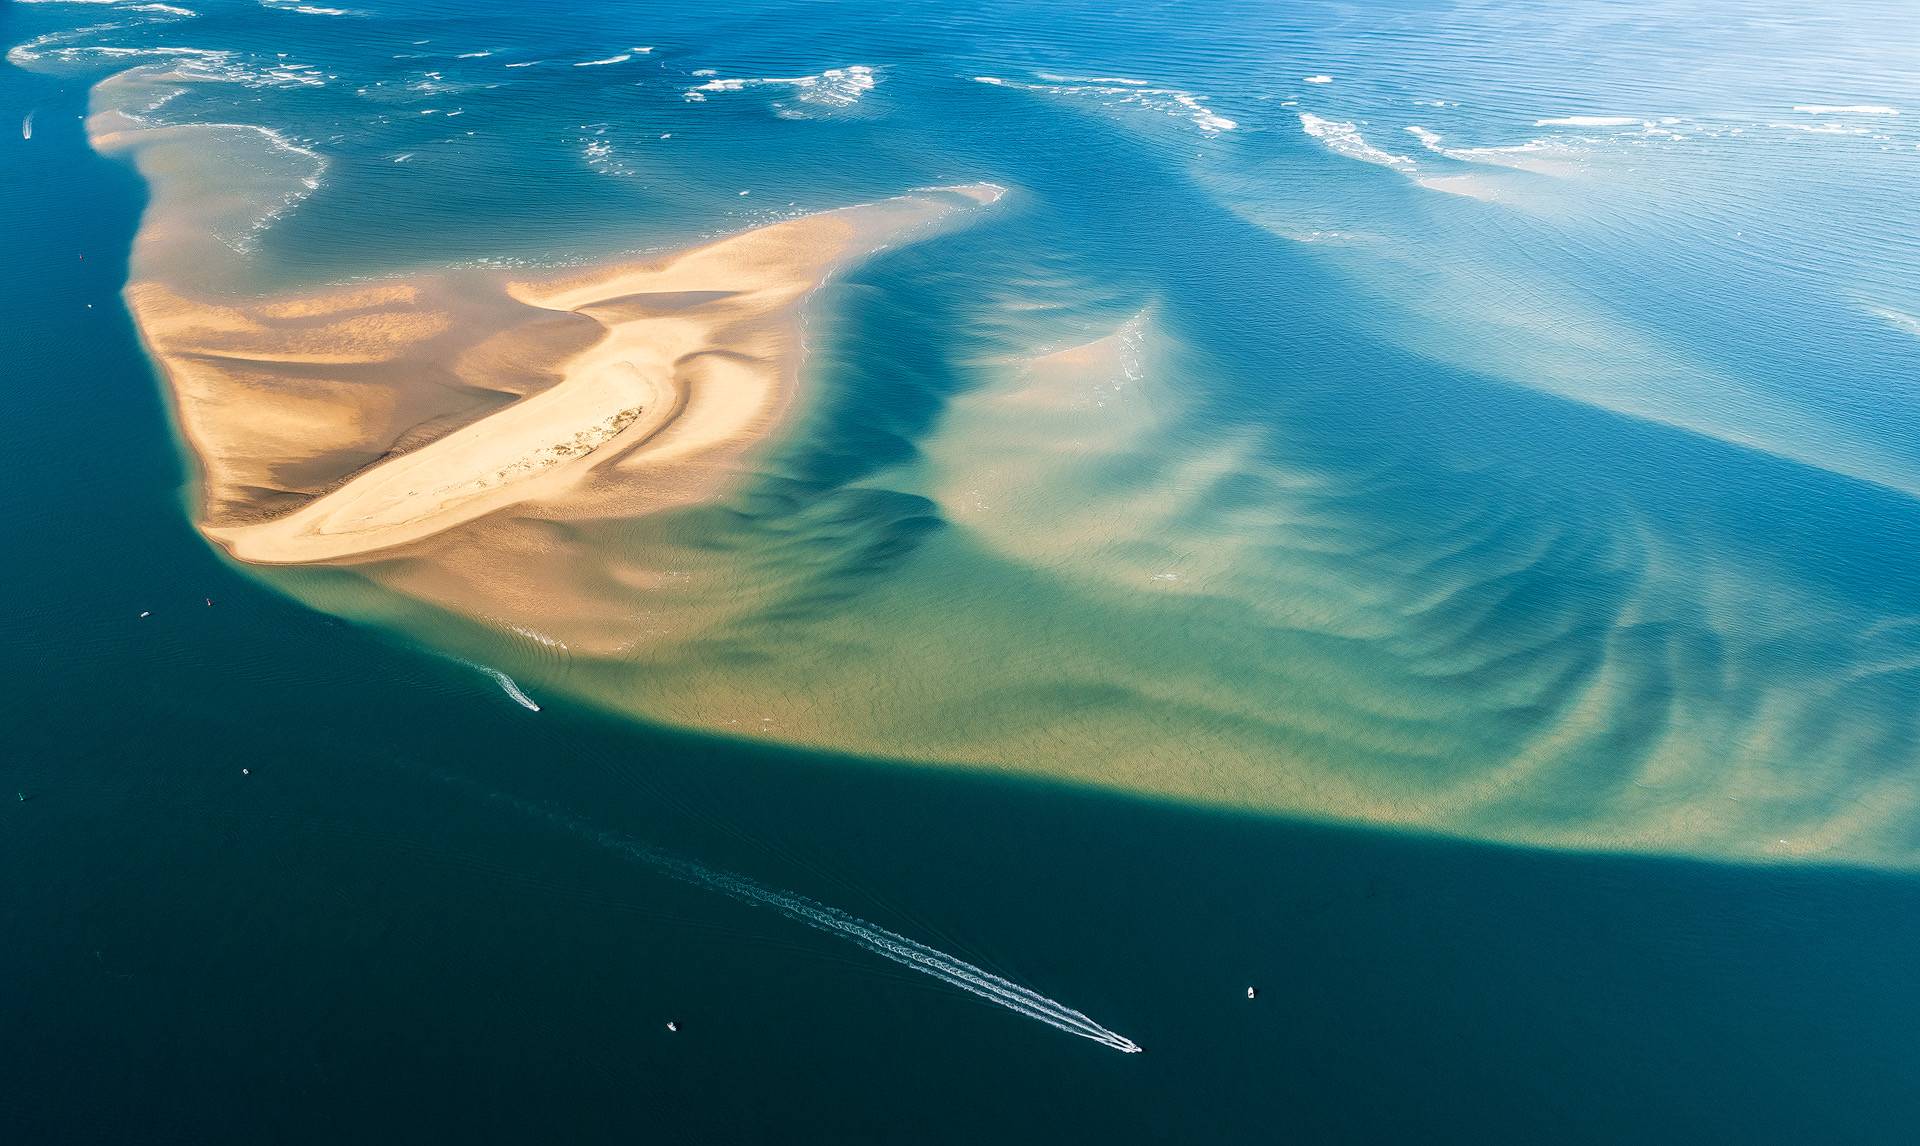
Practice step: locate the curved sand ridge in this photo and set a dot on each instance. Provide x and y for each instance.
(692, 358)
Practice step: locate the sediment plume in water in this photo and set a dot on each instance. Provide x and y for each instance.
(1067, 570)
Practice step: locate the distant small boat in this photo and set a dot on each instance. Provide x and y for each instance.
(1251, 992)
(673, 1026)
(26, 127)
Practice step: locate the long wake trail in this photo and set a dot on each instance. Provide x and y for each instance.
(871, 937)
(507, 684)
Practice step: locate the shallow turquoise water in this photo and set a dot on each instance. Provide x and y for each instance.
(1636, 416)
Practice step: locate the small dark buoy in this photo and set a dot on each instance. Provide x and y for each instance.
(1251, 992)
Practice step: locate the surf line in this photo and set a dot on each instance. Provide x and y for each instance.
(870, 937)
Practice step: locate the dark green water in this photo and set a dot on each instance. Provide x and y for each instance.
(371, 938)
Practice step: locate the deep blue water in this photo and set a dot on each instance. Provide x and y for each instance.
(1633, 446)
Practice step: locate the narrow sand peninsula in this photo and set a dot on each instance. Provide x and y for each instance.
(335, 426)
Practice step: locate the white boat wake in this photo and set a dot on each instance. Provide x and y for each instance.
(897, 947)
(869, 936)
(512, 689)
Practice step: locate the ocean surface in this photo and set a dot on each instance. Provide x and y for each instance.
(1406, 506)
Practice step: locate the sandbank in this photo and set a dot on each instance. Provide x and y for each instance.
(343, 425)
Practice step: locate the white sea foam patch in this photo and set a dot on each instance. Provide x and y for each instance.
(71, 45)
(1845, 109)
(87, 46)
(1559, 157)
(1898, 319)
(869, 937)
(619, 59)
(273, 212)
(832, 89)
(1344, 138)
(309, 9)
(122, 6)
(198, 65)
(1121, 92)
(1589, 121)
(1056, 78)
(1320, 79)
(1823, 128)
(599, 151)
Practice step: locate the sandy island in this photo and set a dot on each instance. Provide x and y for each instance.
(334, 426)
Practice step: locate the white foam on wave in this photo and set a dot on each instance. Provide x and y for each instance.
(24, 55)
(1824, 128)
(834, 88)
(1846, 109)
(308, 9)
(280, 185)
(215, 65)
(1345, 139)
(1055, 78)
(1320, 79)
(1558, 158)
(600, 154)
(307, 184)
(539, 637)
(1122, 92)
(122, 6)
(619, 59)
(1588, 121)
(1898, 319)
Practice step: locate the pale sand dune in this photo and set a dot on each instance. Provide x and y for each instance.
(350, 423)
